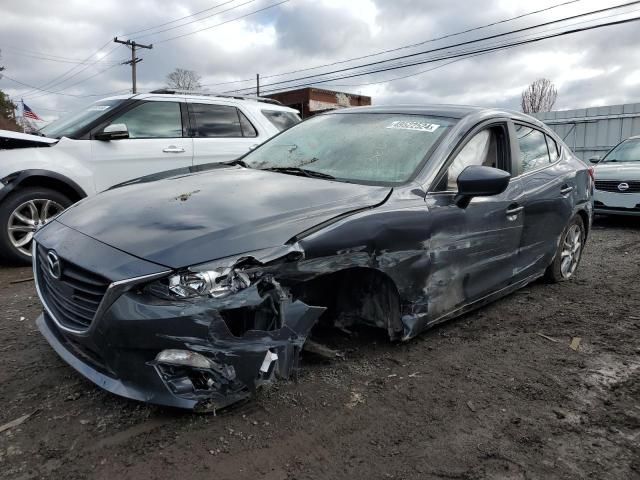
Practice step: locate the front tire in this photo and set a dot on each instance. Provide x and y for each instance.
(569, 252)
(21, 214)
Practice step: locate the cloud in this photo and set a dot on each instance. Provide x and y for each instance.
(588, 68)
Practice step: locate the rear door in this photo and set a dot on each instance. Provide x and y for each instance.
(156, 143)
(220, 132)
(550, 187)
(474, 250)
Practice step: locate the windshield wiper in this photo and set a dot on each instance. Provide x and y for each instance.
(301, 172)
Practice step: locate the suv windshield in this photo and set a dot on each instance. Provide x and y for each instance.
(69, 125)
(627, 151)
(371, 148)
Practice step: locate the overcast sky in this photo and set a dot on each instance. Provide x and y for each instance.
(40, 40)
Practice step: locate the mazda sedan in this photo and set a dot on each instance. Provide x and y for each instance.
(196, 289)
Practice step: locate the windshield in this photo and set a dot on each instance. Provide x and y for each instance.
(69, 125)
(627, 151)
(369, 148)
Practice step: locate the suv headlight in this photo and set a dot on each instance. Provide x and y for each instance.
(224, 277)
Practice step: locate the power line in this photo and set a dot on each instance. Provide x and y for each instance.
(197, 20)
(177, 19)
(44, 94)
(475, 55)
(60, 78)
(61, 93)
(457, 55)
(225, 22)
(481, 27)
(468, 42)
(49, 59)
(41, 54)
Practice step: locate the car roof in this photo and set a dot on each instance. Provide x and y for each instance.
(444, 110)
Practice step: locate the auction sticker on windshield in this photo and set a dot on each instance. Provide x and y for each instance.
(419, 126)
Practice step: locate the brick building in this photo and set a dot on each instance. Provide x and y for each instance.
(310, 101)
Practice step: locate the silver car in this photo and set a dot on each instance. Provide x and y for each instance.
(617, 189)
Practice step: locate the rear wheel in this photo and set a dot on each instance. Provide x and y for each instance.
(569, 252)
(21, 214)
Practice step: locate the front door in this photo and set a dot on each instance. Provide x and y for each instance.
(473, 250)
(155, 144)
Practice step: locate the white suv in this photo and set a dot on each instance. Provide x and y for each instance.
(119, 139)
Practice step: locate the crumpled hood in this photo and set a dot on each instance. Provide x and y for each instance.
(10, 140)
(192, 219)
(623, 171)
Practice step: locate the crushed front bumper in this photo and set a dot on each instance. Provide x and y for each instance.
(122, 353)
(125, 347)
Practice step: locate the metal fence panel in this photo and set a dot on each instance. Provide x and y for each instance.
(594, 131)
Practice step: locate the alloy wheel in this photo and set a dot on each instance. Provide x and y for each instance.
(27, 218)
(571, 251)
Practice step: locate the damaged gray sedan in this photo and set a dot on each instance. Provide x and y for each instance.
(196, 289)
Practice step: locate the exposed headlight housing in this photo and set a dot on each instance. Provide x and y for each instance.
(213, 283)
(224, 277)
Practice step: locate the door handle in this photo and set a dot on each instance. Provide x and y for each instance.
(513, 211)
(566, 189)
(173, 149)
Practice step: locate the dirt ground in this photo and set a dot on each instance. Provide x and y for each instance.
(484, 396)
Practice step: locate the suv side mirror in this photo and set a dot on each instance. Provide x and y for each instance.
(480, 181)
(115, 131)
(595, 159)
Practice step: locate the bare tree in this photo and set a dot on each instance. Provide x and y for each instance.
(182, 79)
(540, 96)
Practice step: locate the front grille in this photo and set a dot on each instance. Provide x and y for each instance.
(72, 299)
(612, 186)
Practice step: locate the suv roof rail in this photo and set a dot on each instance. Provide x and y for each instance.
(171, 91)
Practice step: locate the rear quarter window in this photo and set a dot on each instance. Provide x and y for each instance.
(280, 119)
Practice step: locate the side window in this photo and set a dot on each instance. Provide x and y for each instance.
(215, 120)
(248, 130)
(482, 149)
(533, 148)
(554, 154)
(153, 120)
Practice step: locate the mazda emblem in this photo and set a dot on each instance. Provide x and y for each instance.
(623, 187)
(55, 267)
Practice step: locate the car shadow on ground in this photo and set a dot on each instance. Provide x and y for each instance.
(611, 221)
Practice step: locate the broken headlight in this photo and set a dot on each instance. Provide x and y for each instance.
(216, 283)
(224, 277)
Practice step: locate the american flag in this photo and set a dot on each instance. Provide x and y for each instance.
(27, 112)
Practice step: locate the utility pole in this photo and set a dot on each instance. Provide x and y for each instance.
(134, 60)
(257, 84)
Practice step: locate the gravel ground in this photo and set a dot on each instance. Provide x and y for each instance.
(497, 393)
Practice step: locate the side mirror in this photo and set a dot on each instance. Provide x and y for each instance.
(115, 131)
(480, 181)
(595, 159)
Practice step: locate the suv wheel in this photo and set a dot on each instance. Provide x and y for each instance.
(21, 214)
(569, 252)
